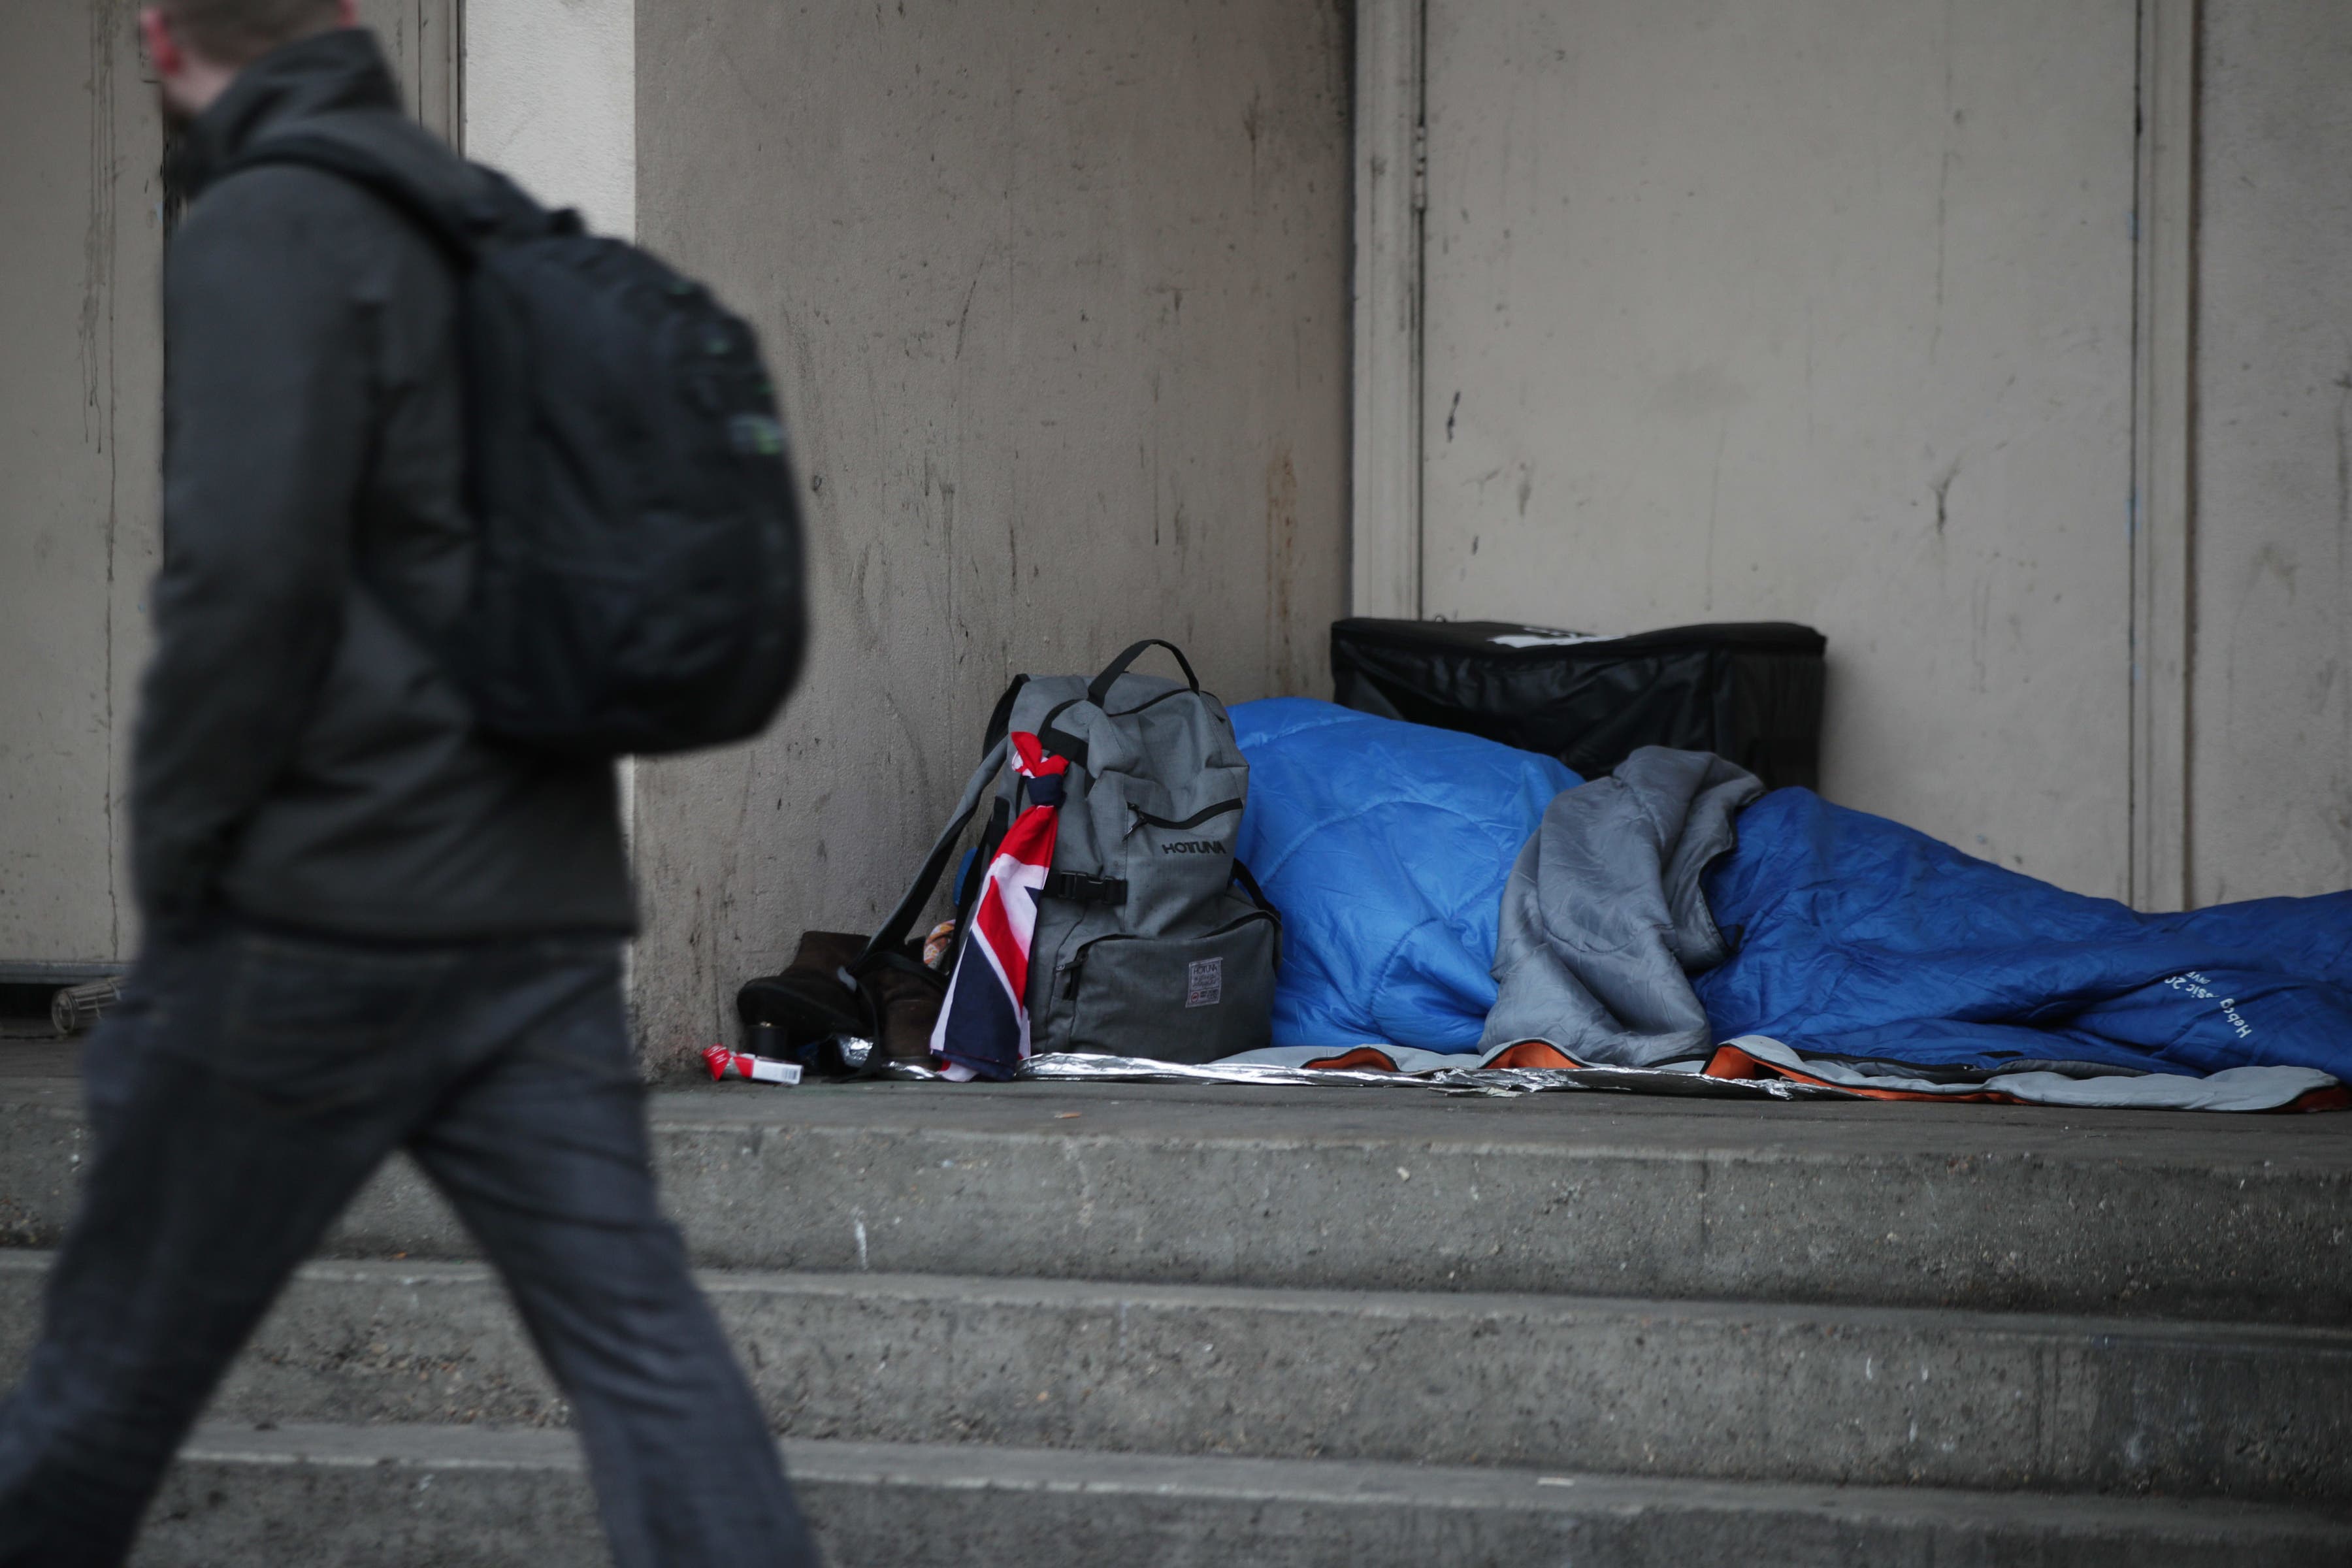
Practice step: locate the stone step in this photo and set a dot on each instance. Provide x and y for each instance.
(1837, 1394)
(478, 1498)
(2176, 1215)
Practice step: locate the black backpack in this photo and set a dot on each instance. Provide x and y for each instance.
(638, 586)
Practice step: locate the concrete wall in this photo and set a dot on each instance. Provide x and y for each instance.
(1823, 311)
(1816, 311)
(80, 365)
(1056, 293)
(424, 41)
(81, 438)
(551, 97)
(2271, 709)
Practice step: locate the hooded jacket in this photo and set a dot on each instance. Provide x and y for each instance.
(299, 757)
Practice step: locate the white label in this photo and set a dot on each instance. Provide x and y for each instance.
(1205, 986)
(767, 1071)
(1534, 639)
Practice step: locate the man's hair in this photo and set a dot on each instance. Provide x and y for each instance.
(238, 32)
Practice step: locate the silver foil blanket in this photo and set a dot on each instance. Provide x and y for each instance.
(1071, 1067)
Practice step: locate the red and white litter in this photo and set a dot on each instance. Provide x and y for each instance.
(726, 1064)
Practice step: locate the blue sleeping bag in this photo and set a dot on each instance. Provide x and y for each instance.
(1386, 846)
(1858, 936)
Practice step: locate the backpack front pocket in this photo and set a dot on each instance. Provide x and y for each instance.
(1174, 999)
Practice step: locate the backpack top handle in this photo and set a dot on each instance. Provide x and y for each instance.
(1062, 743)
(1098, 692)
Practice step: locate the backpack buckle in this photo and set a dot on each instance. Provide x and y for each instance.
(1084, 889)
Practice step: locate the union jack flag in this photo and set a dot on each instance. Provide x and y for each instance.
(983, 1027)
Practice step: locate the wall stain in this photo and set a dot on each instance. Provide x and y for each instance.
(2277, 562)
(1942, 486)
(1284, 674)
(963, 317)
(1253, 121)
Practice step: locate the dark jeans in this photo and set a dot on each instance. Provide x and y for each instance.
(241, 1095)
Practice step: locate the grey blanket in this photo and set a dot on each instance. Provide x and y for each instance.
(1604, 921)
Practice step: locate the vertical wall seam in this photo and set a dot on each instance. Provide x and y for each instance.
(1417, 205)
(1385, 501)
(2180, 367)
(2136, 646)
(104, 172)
(2162, 495)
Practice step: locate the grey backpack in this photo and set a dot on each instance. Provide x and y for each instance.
(1151, 940)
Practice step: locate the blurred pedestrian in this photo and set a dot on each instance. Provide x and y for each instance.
(368, 926)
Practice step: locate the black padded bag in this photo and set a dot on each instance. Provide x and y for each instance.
(638, 580)
(1750, 692)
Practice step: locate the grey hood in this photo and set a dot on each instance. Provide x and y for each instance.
(1605, 920)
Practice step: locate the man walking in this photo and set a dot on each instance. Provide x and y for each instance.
(368, 927)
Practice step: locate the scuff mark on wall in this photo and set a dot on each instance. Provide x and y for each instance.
(1252, 120)
(1941, 485)
(1282, 566)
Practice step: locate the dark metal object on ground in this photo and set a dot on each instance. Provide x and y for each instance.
(78, 1007)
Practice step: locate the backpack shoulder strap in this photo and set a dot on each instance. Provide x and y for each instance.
(455, 232)
(894, 933)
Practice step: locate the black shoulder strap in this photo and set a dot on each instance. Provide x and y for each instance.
(1249, 886)
(1058, 741)
(453, 232)
(457, 233)
(1257, 896)
(894, 933)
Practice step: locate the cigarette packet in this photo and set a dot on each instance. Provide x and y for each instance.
(727, 1063)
